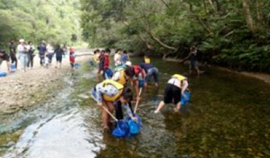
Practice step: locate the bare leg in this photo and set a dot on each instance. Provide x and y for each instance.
(178, 107)
(104, 116)
(160, 106)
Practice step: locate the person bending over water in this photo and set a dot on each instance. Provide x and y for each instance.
(151, 71)
(174, 92)
(106, 93)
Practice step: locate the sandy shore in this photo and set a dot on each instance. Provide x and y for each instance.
(23, 89)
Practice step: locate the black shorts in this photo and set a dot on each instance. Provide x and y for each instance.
(119, 111)
(172, 94)
(59, 59)
(72, 65)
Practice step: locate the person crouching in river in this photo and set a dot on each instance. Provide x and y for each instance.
(122, 76)
(174, 92)
(151, 71)
(106, 93)
(137, 75)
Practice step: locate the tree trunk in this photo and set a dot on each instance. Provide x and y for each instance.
(248, 15)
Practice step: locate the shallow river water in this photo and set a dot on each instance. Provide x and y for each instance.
(229, 116)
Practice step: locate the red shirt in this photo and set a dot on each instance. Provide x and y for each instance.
(72, 58)
(106, 62)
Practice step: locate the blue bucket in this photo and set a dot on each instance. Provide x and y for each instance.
(3, 74)
(186, 100)
(77, 66)
(91, 63)
(121, 129)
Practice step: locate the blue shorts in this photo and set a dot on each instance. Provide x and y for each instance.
(141, 83)
(153, 72)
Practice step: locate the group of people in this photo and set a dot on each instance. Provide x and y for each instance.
(114, 93)
(25, 53)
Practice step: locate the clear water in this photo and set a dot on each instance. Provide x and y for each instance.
(228, 117)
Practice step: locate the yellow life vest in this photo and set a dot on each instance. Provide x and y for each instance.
(179, 77)
(122, 79)
(117, 85)
(147, 60)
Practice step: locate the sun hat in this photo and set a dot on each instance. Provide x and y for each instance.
(21, 40)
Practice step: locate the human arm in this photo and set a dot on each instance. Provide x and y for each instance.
(184, 87)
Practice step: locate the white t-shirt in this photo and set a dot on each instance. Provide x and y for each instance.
(175, 82)
(117, 59)
(49, 48)
(29, 46)
(21, 48)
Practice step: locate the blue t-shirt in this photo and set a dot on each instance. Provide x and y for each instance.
(124, 58)
(146, 67)
(42, 49)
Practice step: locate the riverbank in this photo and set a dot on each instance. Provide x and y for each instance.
(260, 76)
(24, 89)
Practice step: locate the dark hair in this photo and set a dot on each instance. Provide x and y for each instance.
(127, 71)
(127, 93)
(58, 46)
(29, 42)
(131, 71)
(107, 50)
(117, 50)
(98, 50)
(125, 52)
(95, 51)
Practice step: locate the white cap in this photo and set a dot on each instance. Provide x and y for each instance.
(21, 40)
(128, 63)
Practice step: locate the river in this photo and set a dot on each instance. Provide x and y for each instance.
(228, 117)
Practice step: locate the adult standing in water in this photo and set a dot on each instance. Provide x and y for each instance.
(12, 50)
(22, 50)
(174, 92)
(193, 60)
(30, 52)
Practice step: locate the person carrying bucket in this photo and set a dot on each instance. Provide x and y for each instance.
(107, 92)
(137, 75)
(174, 92)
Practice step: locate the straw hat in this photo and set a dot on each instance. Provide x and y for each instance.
(21, 40)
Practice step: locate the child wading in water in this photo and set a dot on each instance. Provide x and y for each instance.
(174, 92)
(106, 93)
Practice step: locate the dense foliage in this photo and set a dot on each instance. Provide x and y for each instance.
(36, 20)
(229, 33)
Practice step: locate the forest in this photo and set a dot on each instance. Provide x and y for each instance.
(37, 20)
(233, 34)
